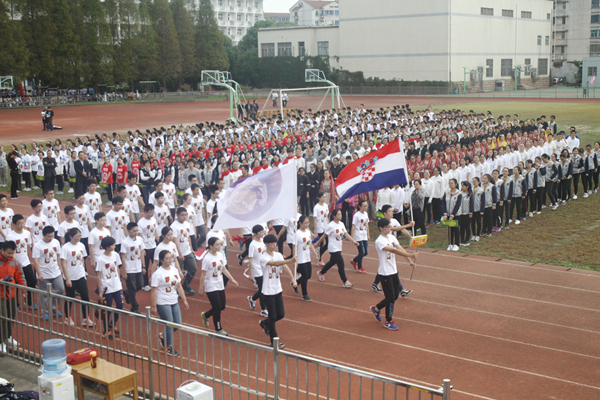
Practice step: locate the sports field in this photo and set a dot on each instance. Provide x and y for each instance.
(498, 328)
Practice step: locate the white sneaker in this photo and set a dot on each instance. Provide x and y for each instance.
(264, 313)
(539, 212)
(574, 197)
(455, 248)
(2, 348)
(585, 195)
(517, 222)
(510, 221)
(70, 190)
(147, 288)
(449, 248)
(12, 342)
(530, 214)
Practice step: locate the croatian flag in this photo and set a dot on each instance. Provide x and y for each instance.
(593, 79)
(376, 170)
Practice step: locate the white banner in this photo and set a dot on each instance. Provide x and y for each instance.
(259, 198)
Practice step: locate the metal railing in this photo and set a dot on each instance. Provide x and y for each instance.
(234, 368)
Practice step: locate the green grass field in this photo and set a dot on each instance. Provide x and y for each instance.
(569, 236)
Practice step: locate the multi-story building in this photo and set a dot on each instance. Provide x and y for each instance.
(315, 13)
(278, 17)
(576, 30)
(235, 17)
(488, 43)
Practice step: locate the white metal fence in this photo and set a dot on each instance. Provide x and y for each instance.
(234, 368)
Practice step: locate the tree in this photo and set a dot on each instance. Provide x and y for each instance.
(210, 51)
(169, 56)
(39, 31)
(247, 70)
(123, 52)
(185, 37)
(67, 51)
(250, 39)
(232, 54)
(144, 48)
(13, 47)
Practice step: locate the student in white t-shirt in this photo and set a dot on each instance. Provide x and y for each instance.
(211, 282)
(272, 263)
(335, 231)
(303, 248)
(387, 247)
(37, 221)
(199, 217)
(116, 221)
(212, 203)
(255, 251)
(166, 285)
(44, 258)
(82, 215)
(72, 258)
(162, 214)
(132, 254)
(170, 193)
(134, 195)
(320, 215)
(6, 215)
(67, 224)
(92, 198)
(23, 240)
(182, 234)
(360, 233)
(165, 242)
(148, 229)
(109, 284)
(96, 236)
(51, 208)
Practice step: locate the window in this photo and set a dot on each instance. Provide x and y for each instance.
(563, 20)
(594, 50)
(257, 17)
(506, 67)
(239, 17)
(239, 3)
(247, 17)
(301, 48)
(489, 71)
(220, 2)
(526, 14)
(284, 49)
(548, 16)
(563, 35)
(595, 18)
(487, 11)
(337, 22)
(528, 61)
(220, 17)
(547, 40)
(256, 4)
(267, 50)
(539, 41)
(542, 68)
(595, 3)
(239, 31)
(592, 71)
(507, 13)
(323, 49)
(337, 12)
(595, 33)
(562, 49)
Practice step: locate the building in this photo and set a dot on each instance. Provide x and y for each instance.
(485, 43)
(278, 17)
(315, 13)
(235, 17)
(589, 72)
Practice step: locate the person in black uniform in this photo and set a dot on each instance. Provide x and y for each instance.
(49, 171)
(14, 174)
(303, 191)
(49, 116)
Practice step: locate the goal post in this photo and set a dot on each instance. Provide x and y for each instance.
(299, 98)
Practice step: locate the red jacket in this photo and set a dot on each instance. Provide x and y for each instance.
(10, 268)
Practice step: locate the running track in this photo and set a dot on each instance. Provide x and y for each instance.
(499, 329)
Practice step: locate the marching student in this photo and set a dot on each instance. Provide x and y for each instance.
(451, 207)
(93, 199)
(24, 241)
(82, 216)
(134, 195)
(36, 222)
(6, 215)
(466, 213)
(255, 251)
(506, 194)
(541, 183)
(388, 213)
(335, 231)
(162, 214)
(272, 263)
(109, 284)
(551, 180)
(588, 170)
(387, 247)
(44, 258)
(303, 249)
(320, 213)
(577, 161)
(67, 224)
(72, 258)
(182, 233)
(166, 286)
(132, 254)
(165, 242)
(519, 189)
(476, 219)
(51, 208)
(360, 233)
(96, 236)
(148, 229)
(199, 217)
(116, 221)
(488, 201)
(531, 177)
(499, 211)
(211, 282)
(565, 174)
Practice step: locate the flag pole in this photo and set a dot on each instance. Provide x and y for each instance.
(411, 209)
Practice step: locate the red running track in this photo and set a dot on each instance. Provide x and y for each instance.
(499, 329)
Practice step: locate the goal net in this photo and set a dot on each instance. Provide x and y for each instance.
(283, 101)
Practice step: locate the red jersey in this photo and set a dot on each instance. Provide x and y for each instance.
(107, 173)
(122, 173)
(135, 167)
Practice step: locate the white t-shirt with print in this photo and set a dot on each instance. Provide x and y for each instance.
(6, 222)
(303, 241)
(163, 246)
(133, 193)
(335, 235)
(36, 226)
(161, 214)
(214, 266)
(198, 205)
(165, 282)
(133, 254)
(108, 266)
(387, 260)
(74, 256)
(95, 239)
(321, 213)
(117, 221)
(255, 252)
(181, 234)
(93, 201)
(147, 228)
(169, 190)
(47, 255)
(65, 227)
(222, 238)
(271, 282)
(51, 209)
(23, 241)
(361, 225)
(82, 215)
